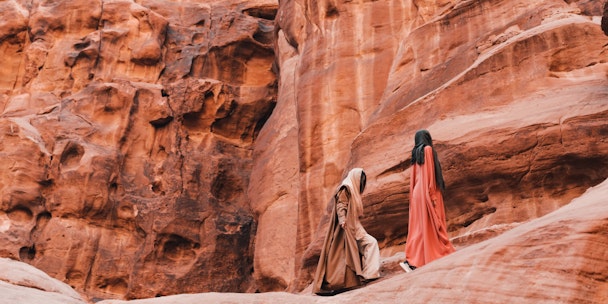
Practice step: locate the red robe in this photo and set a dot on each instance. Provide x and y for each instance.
(427, 238)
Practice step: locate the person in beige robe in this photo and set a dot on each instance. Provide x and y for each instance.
(349, 255)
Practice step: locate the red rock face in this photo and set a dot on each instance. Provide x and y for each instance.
(514, 94)
(126, 141)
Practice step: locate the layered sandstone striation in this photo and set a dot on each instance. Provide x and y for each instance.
(513, 92)
(126, 140)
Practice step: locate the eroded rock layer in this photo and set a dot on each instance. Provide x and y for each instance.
(513, 92)
(558, 257)
(126, 141)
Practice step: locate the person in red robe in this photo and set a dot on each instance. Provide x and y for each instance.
(427, 238)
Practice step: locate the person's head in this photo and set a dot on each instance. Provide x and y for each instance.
(357, 178)
(423, 137)
(421, 140)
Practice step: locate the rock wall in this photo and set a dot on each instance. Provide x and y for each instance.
(514, 94)
(127, 131)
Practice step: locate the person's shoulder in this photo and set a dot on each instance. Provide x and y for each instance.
(429, 153)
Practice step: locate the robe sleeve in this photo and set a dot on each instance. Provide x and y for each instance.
(412, 182)
(341, 205)
(429, 168)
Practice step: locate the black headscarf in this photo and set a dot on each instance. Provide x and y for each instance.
(422, 139)
(363, 182)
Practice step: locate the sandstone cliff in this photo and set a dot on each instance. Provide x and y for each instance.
(126, 141)
(515, 94)
(156, 147)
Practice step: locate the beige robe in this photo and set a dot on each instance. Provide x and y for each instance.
(348, 254)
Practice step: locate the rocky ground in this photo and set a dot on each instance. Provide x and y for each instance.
(557, 258)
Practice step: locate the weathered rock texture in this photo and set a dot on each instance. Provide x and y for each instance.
(126, 141)
(557, 258)
(513, 92)
(140, 157)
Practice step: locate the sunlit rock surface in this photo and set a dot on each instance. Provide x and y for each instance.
(22, 283)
